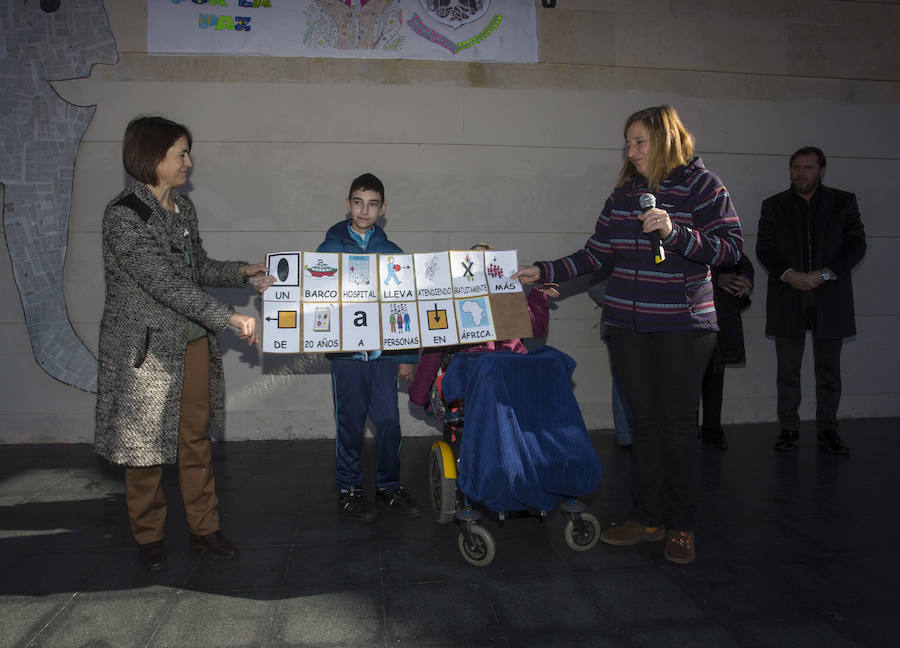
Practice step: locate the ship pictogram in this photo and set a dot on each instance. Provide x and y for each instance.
(321, 269)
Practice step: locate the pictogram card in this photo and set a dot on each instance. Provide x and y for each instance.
(437, 320)
(285, 267)
(280, 327)
(321, 278)
(475, 320)
(359, 326)
(433, 279)
(359, 277)
(321, 327)
(498, 266)
(399, 326)
(467, 271)
(396, 277)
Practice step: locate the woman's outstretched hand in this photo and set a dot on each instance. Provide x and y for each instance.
(259, 276)
(246, 327)
(527, 274)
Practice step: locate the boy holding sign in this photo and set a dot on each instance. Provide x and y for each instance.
(364, 384)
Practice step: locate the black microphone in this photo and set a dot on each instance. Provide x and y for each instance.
(648, 201)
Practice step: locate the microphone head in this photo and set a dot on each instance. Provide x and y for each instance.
(648, 201)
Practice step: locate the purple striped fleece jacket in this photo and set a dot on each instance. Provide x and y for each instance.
(678, 293)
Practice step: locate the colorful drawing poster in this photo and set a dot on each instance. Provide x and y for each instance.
(280, 327)
(467, 272)
(437, 320)
(321, 279)
(359, 276)
(360, 330)
(321, 327)
(476, 323)
(396, 277)
(399, 326)
(433, 279)
(498, 266)
(285, 267)
(449, 30)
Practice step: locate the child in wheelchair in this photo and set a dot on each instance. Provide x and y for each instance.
(518, 452)
(425, 388)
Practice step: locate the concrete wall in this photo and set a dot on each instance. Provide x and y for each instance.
(522, 156)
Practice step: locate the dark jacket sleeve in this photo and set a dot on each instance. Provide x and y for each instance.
(148, 261)
(745, 269)
(716, 238)
(853, 242)
(592, 257)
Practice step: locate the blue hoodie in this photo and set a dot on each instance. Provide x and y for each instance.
(339, 238)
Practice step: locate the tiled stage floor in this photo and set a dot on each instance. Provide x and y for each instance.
(797, 549)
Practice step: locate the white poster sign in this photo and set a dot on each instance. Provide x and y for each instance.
(342, 302)
(450, 30)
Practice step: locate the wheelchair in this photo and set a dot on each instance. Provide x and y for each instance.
(449, 502)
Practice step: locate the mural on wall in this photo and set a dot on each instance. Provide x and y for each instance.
(457, 30)
(43, 41)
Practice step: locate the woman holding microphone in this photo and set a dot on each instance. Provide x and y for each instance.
(667, 222)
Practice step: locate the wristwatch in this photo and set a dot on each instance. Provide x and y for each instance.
(826, 275)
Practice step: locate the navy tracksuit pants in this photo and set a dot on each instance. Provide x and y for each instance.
(362, 389)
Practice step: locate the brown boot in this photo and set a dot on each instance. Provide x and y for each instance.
(680, 547)
(632, 533)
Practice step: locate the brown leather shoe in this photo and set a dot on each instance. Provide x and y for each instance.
(680, 547)
(631, 533)
(216, 542)
(153, 556)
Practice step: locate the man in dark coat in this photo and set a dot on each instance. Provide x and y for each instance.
(809, 239)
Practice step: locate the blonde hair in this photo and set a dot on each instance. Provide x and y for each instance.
(671, 145)
(482, 246)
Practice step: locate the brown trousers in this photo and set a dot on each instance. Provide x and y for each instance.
(143, 486)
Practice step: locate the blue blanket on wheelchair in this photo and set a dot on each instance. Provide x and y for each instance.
(524, 443)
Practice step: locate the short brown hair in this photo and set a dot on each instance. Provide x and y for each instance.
(146, 142)
(808, 150)
(671, 145)
(367, 182)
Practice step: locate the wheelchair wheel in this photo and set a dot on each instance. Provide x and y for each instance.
(443, 488)
(583, 536)
(480, 549)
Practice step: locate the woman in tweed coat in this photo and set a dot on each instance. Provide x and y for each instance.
(160, 378)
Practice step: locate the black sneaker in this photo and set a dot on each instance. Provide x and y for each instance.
(787, 441)
(830, 440)
(715, 438)
(397, 499)
(356, 506)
